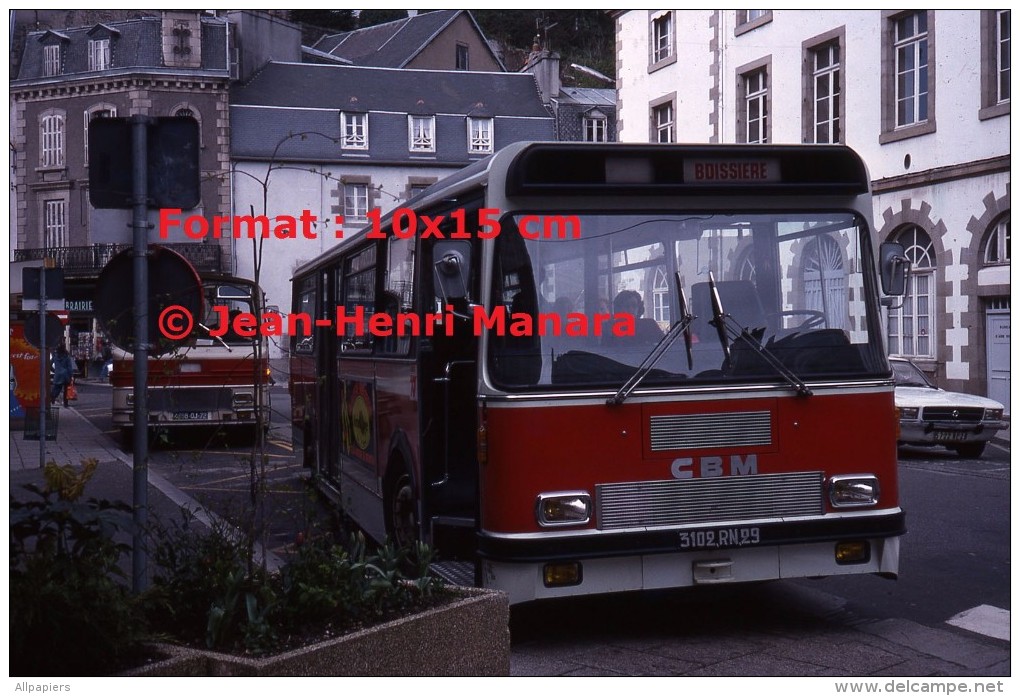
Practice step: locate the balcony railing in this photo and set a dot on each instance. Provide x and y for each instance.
(90, 260)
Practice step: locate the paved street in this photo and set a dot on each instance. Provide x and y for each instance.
(943, 617)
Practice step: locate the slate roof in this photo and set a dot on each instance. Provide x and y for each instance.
(137, 44)
(285, 99)
(384, 89)
(591, 96)
(389, 45)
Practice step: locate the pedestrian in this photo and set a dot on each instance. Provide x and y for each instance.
(63, 373)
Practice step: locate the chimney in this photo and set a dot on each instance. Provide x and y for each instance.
(545, 66)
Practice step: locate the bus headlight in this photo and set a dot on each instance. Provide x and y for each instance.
(556, 509)
(858, 490)
(243, 400)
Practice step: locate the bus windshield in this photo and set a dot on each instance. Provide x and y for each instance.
(223, 303)
(586, 309)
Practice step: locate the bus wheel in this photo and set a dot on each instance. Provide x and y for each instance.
(403, 517)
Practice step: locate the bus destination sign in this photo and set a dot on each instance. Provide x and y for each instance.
(731, 171)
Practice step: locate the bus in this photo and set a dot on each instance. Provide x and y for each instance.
(215, 378)
(579, 368)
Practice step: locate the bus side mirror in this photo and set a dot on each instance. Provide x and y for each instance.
(452, 270)
(893, 267)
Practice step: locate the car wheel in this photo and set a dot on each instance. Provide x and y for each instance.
(972, 450)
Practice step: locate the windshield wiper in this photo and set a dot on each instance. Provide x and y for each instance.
(682, 326)
(725, 324)
(215, 338)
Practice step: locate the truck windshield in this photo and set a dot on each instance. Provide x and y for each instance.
(584, 309)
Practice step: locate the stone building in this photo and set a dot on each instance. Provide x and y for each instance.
(922, 95)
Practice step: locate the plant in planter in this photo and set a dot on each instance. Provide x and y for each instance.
(72, 613)
(205, 595)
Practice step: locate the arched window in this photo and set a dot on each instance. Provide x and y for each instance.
(92, 113)
(825, 282)
(996, 249)
(189, 109)
(912, 324)
(51, 138)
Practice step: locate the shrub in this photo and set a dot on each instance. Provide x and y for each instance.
(70, 611)
(207, 592)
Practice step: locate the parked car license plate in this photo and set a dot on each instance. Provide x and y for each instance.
(191, 416)
(950, 436)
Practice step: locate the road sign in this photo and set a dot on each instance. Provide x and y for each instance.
(30, 285)
(172, 166)
(54, 330)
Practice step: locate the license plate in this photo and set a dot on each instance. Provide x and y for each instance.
(950, 436)
(191, 416)
(722, 538)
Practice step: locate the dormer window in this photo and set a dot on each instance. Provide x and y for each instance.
(355, 130)
(51, 60)
(99, 54)
(595, 127)
(479, 135)
(422, 133)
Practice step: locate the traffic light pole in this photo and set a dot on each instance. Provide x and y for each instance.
(140, 229)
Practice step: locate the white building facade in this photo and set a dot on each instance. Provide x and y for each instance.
(922, 95)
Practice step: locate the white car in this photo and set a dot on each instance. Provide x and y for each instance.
(932, 416)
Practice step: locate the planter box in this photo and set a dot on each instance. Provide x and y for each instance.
(468, 637)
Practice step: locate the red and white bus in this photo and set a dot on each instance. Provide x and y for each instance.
(614, 366)
(213, 378)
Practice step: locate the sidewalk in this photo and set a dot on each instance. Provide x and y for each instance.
(78, 440)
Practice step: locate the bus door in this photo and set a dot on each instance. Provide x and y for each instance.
(326, 436)
(449, 373)
(354, 430)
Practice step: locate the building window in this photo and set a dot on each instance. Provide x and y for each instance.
(355, 131)
(185, 112)
(1002, 55)
(51, 60)
(826, 95)
(462, 57)
(997, 245)
(479, 135)
(355, 201)
(662, 38)
(755, 110)
(663, 126)
(55, 224)
(911, 69)
(595, 130)
(748, 20)
(51, 140)
(422, 133)
(995, 63)
(912, 324)
(100, 111)
(99, 54)
(908, 76)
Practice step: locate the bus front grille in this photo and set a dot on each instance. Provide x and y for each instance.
(707, 500)
(701, 430)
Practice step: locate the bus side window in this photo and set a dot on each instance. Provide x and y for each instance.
(398, 295)
(358, 295)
